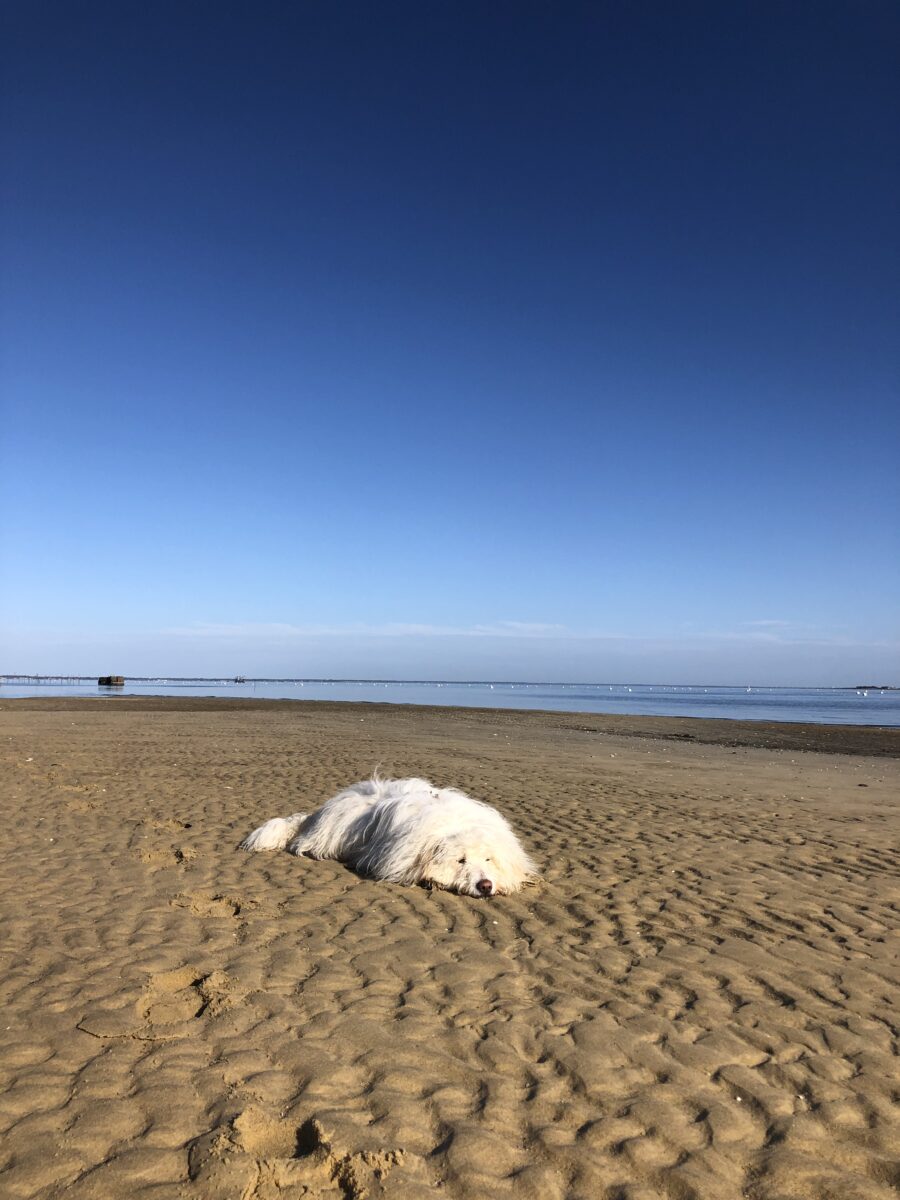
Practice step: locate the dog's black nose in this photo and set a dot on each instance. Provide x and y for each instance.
(485, 886)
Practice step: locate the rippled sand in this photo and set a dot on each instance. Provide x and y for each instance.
(699, 999)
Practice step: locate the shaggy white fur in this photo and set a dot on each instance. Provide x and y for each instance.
(407, 831)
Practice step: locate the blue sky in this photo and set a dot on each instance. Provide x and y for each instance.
(460, 341)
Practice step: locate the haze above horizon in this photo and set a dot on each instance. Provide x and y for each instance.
(451, 342)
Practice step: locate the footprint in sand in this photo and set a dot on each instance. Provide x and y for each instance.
(167, 1009)
(154, 853)
(211, 904)
(157, 857)
(259, 1152)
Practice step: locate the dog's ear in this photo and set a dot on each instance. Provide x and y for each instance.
(433, 863)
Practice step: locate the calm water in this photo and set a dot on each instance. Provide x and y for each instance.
(827, 706)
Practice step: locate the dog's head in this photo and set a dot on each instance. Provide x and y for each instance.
(472, 864)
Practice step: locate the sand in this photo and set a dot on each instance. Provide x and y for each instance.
(700, 999)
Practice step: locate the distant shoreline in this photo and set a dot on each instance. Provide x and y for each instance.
(872, 740)
(224, 680)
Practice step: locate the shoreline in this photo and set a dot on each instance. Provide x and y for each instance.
(867, 740)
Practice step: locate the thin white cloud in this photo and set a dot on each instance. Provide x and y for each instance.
(768, 632)
(795, 636)
(278, 630)
(524, 629)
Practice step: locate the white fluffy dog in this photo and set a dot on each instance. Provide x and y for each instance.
(407, 831)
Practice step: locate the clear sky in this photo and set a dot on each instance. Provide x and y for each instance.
(495, 340)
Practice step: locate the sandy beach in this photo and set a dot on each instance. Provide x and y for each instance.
(699, 998)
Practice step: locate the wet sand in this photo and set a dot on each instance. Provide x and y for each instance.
(699, 999)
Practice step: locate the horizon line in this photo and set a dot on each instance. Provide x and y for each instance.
(24, 676)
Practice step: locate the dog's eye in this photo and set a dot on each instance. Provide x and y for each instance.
(461, 860)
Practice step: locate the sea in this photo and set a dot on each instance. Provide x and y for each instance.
(863, 705)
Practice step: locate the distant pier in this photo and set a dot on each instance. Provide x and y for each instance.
(47, 678)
